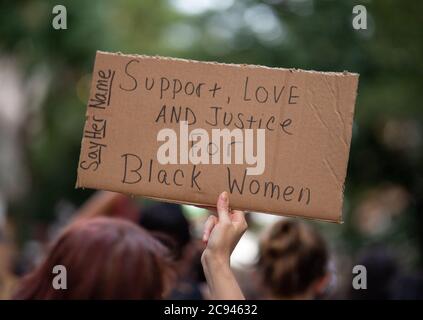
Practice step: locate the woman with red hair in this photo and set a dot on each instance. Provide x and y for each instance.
(109, 258)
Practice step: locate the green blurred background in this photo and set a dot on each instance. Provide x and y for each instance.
(45, 73)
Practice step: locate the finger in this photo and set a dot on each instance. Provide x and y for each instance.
(208, 227)
(238, 219)
(237, 216)
(223, 207)
(210, 222)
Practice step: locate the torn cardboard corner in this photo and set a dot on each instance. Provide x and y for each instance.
(183, 131)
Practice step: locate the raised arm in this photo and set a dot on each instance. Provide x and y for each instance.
(221, 234)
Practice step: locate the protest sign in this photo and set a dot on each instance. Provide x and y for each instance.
(183, 131)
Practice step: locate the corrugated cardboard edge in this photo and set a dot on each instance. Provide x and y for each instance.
(355, 93)
(170, 200)
(233, 65)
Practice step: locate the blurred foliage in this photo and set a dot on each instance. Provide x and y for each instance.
(387, 144)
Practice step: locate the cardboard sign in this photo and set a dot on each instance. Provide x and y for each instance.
(183, 131)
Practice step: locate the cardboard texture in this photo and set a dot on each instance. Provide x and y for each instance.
(306, 116)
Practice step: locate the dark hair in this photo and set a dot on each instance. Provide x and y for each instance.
(168, 224)
(292, 257)
(105, 258)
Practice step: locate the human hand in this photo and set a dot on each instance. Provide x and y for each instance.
(222, 232)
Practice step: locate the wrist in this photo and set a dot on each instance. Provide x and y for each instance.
(210, 258)
(220, 278)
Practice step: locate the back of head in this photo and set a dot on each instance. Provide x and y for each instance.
(105, 258)
(292, 257)
(168, 223)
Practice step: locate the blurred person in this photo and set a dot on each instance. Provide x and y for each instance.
(99, 204)
(110, 204)
(109, 258)
(167, 222)
(105, 258)
(293, 261)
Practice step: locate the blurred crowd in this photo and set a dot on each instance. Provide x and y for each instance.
(113, 248)
(45, 78)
